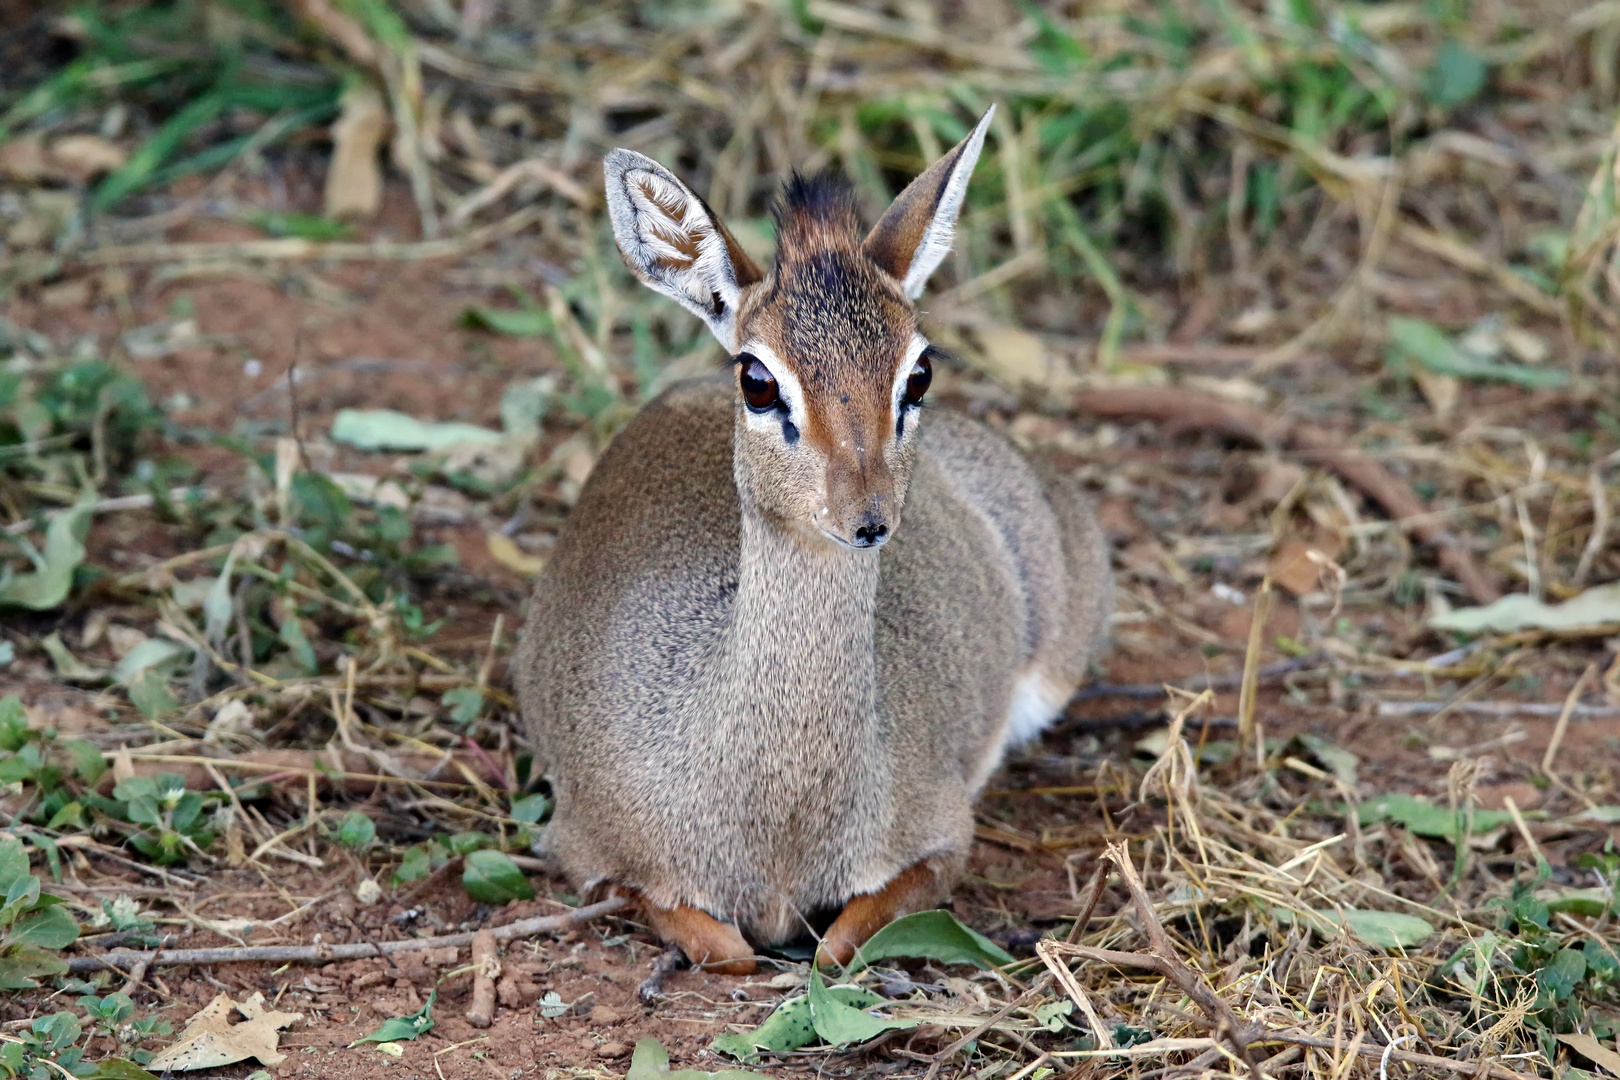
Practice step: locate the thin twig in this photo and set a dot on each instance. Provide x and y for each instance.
(326, 954)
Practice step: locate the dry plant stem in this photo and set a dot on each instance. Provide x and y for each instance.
(486, 969)
(1408, 1057)
(1048, 950)
(1239, 1033)
(1562, 726)
(326, 954)
(1032, 994)
(1190, 410)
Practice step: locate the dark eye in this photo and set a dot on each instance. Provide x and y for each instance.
(917, 382)
(758, 385)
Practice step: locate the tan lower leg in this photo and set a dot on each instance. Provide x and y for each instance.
(707, 942)
(915, 888)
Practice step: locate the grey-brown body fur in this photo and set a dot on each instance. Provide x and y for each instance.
(737, 719)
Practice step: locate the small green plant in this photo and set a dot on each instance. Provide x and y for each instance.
(488, 875)
(34, 925)
(114, 1017)
(169, 823)
(59, 770)
(48, 1049)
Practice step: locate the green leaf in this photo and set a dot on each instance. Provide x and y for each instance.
(1427, 819)
(20, 965)
(1603, 815)
(1050, 1015)
(357, 831)
(839, 1024)
(48, 928)
(153, 654)
(1562, 973)
(52, 579)
(1597, 609)
(303, 226)
(1429, 347)
(519, 322)
(385, 429)
(150, 694)
(397, 1028)
(416, 863)
(932, 935)
(71, 815)
(68, 666)
(651, 1062)
(13, 862)
(464, 703)
(492, 878)
(1339, 761)
(1383, 929)
(1457, 77)
(1588, 902)
(529, 809)
(1380, 929)
(291, 633)
(1602, 960)
(88, 764)
(789, 1027)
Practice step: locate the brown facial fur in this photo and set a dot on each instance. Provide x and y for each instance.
(842, 326)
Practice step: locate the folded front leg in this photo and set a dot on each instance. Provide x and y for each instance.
(916, 888)
(707, 942)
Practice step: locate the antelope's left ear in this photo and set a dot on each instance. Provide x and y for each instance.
(914, 234)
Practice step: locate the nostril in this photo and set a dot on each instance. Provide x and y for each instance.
(867, 535)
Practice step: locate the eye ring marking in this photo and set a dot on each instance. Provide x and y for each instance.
(917, 383)
(759, 389)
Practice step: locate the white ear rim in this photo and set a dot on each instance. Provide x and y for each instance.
(633, 215)
(941, 231)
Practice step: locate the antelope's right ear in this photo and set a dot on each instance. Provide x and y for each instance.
(674, 242)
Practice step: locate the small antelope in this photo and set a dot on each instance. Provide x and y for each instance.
(793, 622)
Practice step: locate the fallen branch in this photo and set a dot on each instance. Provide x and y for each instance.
(1183, 408)
(1197, 684)
(126, 959)
(1497, 708)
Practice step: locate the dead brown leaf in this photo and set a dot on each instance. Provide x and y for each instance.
(354, 179)
(210, 1039)
(1589, 1048)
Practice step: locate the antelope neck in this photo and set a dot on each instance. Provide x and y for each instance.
(801, 632)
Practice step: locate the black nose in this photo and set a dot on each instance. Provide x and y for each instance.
(871, 535)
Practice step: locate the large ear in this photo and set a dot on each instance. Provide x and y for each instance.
(914, 234)
(674, 242)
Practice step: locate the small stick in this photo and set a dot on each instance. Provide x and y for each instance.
(1047, 950)
(326, 954)
(486, 969)
(1497, 708)
(1197, 683)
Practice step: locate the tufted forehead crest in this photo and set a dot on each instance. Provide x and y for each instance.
(815, 213)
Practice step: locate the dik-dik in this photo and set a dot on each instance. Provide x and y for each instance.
(795, 617)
